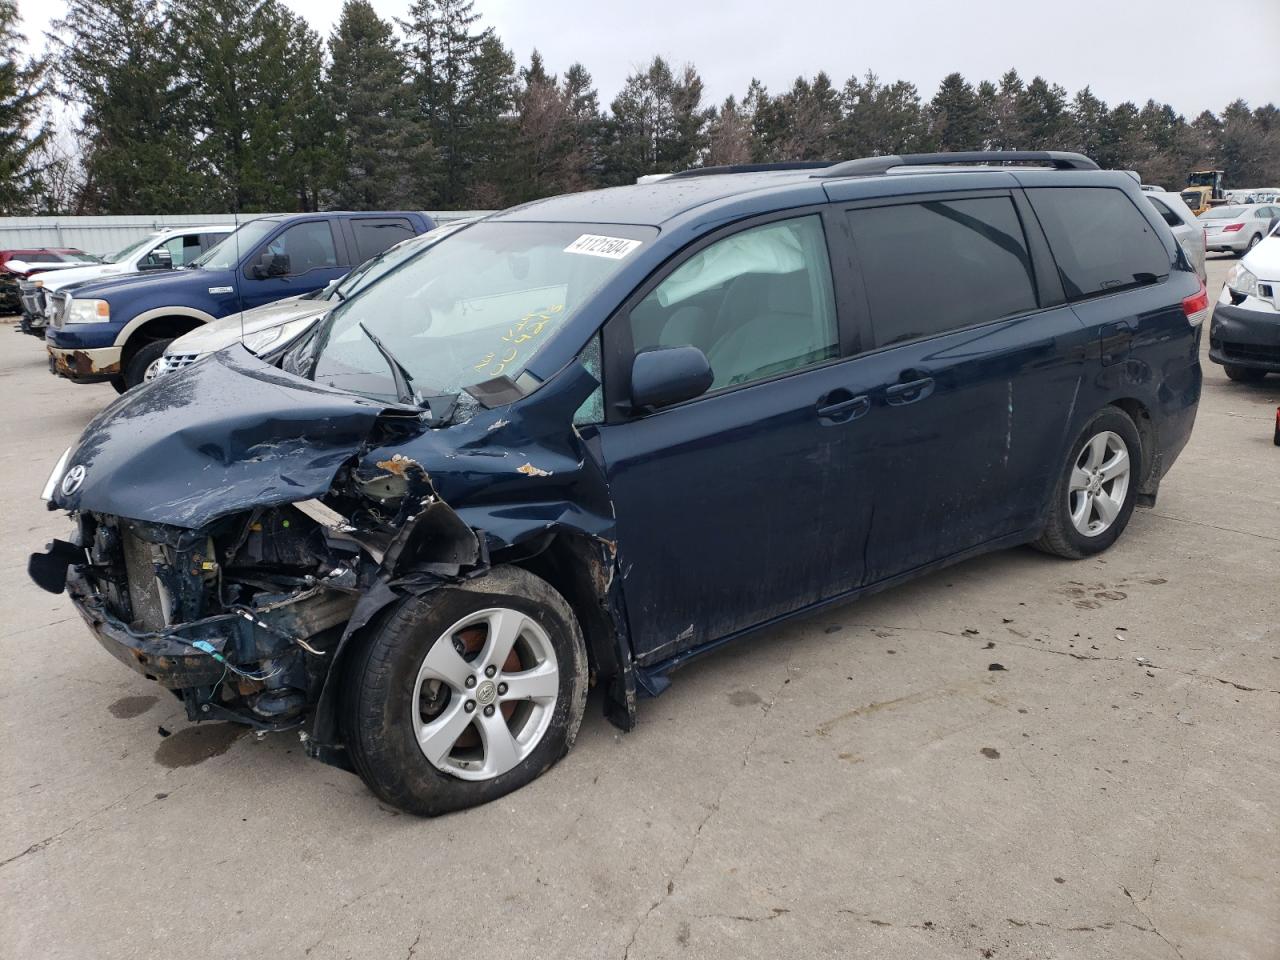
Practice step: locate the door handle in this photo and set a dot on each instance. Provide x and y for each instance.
(842, 411)
(901, 394)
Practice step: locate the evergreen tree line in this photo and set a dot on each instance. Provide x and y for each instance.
(188, 107)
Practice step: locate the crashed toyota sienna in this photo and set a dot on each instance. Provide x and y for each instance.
(584, 440)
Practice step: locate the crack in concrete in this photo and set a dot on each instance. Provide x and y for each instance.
(1214, 526)
(712, 811)
(42, 844)
(1146, 916)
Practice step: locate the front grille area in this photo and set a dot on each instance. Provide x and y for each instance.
(176, 361)
(56, 309)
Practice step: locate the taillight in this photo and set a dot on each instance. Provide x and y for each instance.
(1232, 227)
(1196, 306)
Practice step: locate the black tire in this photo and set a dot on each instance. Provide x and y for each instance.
(1060, 536)
(1243, 374)
(135, 371)
(118, 384)
(1253, 242)
(378, 708)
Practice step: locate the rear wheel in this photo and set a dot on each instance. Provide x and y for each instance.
(145, 363)
(463, 695)
(1094, 497)
(1253, 242)
(1243, 374)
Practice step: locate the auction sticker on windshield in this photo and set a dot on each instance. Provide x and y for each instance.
(593, 245)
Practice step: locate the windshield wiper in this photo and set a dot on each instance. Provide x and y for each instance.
(401, 376)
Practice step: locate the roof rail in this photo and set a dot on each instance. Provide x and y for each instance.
(751, 168)
(873, 166)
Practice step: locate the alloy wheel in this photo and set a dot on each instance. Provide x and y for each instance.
(485, 694)
(1099, 484)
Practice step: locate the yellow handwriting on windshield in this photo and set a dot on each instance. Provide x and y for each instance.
(525, 330)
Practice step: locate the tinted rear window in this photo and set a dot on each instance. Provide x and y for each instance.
(375, 235)
(942, 265)
(1171, 218)
(1100, 241)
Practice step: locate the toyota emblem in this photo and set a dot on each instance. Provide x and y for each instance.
(71, 482)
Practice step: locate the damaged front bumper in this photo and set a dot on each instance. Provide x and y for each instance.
(85, 366)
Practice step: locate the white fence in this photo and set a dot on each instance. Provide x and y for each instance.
(104, 235)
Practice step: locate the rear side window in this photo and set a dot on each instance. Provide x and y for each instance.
(1169, 217)
(373, 235)
(942, 265)
(1100, 240)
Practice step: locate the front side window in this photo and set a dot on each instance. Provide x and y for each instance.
(306, 246)
(476, 305)
(227, 254)
(1100, 241)
(182, 250)
(758, 303)
(942, 265)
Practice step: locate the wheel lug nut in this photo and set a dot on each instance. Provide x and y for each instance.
(502, 689)
(490, 670)
(471, 681)
(488, 711)
(469, 706)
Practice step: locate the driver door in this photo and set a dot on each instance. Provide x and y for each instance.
(313, 261)
(746, 503)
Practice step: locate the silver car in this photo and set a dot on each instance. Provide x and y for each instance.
(1183, 223)
(1237, 228)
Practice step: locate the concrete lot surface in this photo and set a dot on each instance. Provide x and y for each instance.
(861, 784)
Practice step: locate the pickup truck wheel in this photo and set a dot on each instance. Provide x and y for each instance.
(1094, 496)
(145, 362)
(462, 695)
(1243, 374)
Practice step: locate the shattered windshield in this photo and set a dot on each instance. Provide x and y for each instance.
(476, 306)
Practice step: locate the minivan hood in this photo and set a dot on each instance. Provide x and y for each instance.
(222, 436)
(229, 329)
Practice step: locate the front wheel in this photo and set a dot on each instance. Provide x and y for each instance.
(463, 695)
(145, 363)
(1094, 497)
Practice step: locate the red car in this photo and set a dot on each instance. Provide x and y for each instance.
(33, 260)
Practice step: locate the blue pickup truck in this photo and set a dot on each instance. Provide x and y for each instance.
(117, 330)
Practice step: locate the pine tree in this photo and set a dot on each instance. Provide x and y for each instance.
(1042, 115)
(1120, 146)
(486, 135)
(23, 135)
(590, 127)
(657, 124)
(378, 149)
(1088, 120)
(810, 116)
(1008, 127)
(252, 89)
(728, 135)
(114, 60)
(954, 119)
(986, 121)
(444, 39)
(881, 119)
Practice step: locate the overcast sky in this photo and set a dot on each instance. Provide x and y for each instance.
(1193, 54)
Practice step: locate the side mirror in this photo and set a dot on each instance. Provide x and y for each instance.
(667, 375)
(271, 265)
(158, 259)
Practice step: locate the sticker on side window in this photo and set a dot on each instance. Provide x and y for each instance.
(594, 245)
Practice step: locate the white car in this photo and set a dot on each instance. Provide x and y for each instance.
(161, 250)
(1244, 334)
(1239, 228)
(1189, 231)
(278, 324)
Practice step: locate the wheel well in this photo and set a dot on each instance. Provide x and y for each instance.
(161, 328)
(1149, 473)
(580, 568)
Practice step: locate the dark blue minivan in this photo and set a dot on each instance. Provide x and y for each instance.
(586, 439)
